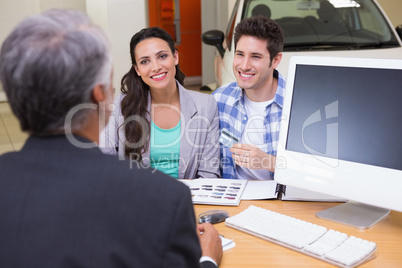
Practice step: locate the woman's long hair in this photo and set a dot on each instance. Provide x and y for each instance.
(135, 102)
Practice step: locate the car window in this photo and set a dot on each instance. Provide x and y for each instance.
(231, 26)
(324, 25)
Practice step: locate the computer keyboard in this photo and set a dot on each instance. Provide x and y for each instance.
(317, 241)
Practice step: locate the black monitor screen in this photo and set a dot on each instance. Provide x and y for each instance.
(352, 114)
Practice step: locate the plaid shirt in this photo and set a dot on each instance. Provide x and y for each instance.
(233, 117)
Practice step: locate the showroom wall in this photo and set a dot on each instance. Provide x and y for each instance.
(120, 18)
(393, 9)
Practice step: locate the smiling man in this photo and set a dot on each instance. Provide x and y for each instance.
(250, 109)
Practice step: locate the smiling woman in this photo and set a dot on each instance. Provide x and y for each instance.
(157, 122)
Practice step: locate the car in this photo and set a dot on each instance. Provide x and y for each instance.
(347, 28)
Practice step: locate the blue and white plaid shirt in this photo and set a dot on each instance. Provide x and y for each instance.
(233, 117)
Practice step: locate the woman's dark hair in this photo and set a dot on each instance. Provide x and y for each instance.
(135, 102)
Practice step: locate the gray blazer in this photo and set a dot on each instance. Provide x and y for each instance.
(199, 145)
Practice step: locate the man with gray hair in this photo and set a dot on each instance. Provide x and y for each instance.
(62, 202)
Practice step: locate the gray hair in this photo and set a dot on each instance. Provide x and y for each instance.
(49, 64)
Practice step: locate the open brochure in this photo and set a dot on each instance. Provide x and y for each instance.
(224, 192)
(229, 192)
(270, 189)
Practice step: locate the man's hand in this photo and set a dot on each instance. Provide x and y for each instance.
(251, 157)
(211, 243)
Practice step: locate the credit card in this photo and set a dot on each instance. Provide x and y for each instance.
(227, 138)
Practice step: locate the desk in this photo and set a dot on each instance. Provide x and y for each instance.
(253, 252)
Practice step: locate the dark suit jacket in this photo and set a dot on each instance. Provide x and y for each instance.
(63, 206)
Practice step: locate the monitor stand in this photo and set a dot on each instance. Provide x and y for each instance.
(359, 215)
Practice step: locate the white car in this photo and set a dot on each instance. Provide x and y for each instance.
(347, 28)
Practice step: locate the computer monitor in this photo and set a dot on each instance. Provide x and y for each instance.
(341, 134)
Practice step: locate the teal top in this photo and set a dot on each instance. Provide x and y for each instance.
(165, 149)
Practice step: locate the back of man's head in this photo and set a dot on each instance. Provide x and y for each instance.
(49, 64)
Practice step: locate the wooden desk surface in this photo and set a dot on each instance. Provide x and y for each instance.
(253, 252)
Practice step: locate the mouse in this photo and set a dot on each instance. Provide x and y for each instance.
(213, 216)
